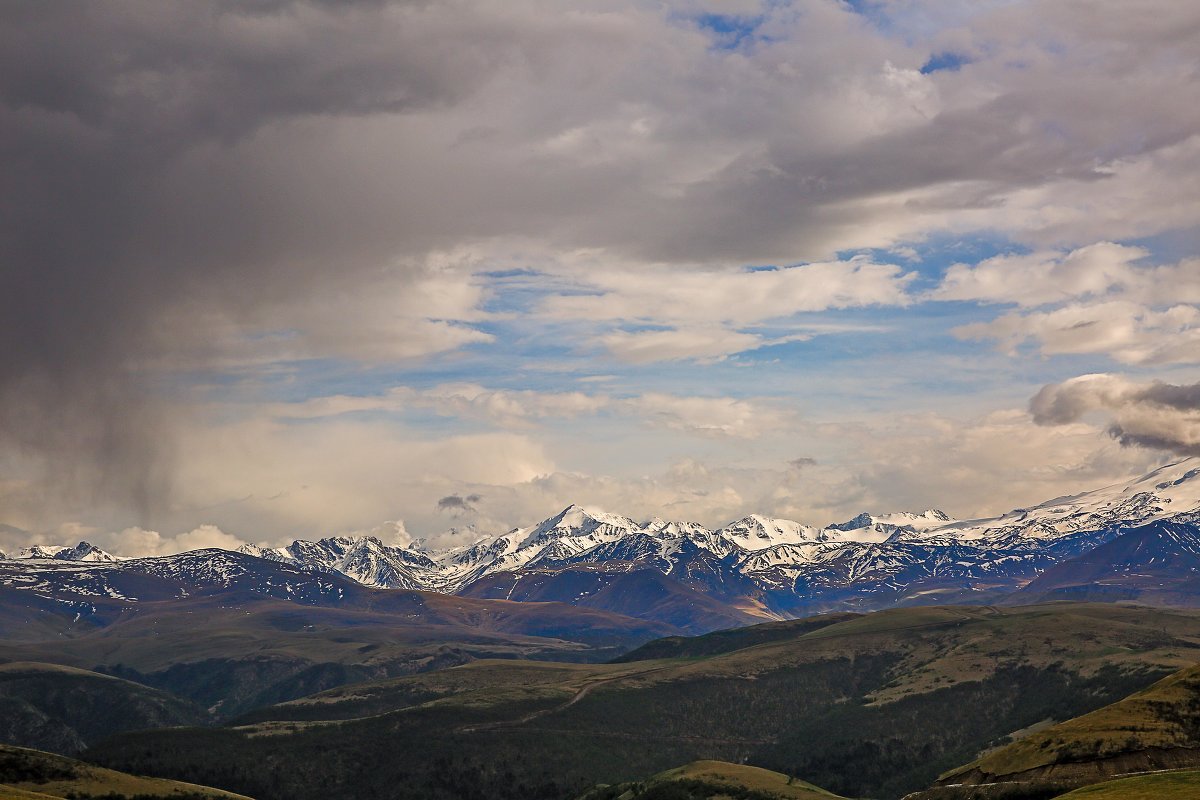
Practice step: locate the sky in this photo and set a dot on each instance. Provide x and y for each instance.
(277, 269)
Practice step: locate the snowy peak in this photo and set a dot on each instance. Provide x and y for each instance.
(889, 552)
(863, 520)
(84, 551)
(365, 559)
(576, 521)
(1166, 492)
(930, 518)
(40, 551)
(662, 527)
(756, 532)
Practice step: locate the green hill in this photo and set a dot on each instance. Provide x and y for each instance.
(710, 780)
(233, 654)
(1181, 785)
(726, 641)
(1156, 728)
(876, 705)
(64, 709)
(33, 774)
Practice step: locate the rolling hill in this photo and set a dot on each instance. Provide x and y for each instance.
(874, 705)
(232, 652)
(713, 780)
(51, 707)
(31, 774)
(1173, 785)
(224, 633)
(1154, 729)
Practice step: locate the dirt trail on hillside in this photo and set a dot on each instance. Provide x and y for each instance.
(508, 723)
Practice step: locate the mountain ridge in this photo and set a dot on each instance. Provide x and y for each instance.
(760, 566)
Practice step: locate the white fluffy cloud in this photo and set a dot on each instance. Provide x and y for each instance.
(1040, 278)
(710, 416)
(705, 314)
(699, 342)
(524, 408)
(1100, 299)
(282, 482)
(1127, 332)
(130, 543)
(736, 297)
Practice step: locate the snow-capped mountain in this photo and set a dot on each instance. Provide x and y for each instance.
(80, 552)
(759, 565)
(364, 559)
(1157, 563)
(1164, 493)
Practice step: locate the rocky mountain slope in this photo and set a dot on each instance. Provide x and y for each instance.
(1157, 563)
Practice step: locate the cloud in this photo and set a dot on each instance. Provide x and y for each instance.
(134, 542)
(970, 468)
(704, 314)
(1158, 416)
(1127, 332)
(457, 504)
(672, 296)
(710, 416)
(1102, 299)
(255, 192)
(509, 407)
(1040, 278)
(525, 408)
(645, 347)
(270, 484)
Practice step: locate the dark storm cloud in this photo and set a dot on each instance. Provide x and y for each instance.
(1167, 441)
(457, 504)
(188, 183)
(110, 222)
(1158, 416)
(1180, 398)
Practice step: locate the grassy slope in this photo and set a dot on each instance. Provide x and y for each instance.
(153, 636)
(1181, 785)
(31, 773)
(847, 705)
(716, 779)
(63, 709)
(1163, 716)
(726, 641)
(13, 793)
(235, 656)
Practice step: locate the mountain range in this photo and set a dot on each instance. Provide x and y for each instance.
(1136, 539)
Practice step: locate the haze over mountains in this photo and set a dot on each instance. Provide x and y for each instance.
(695, 578)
